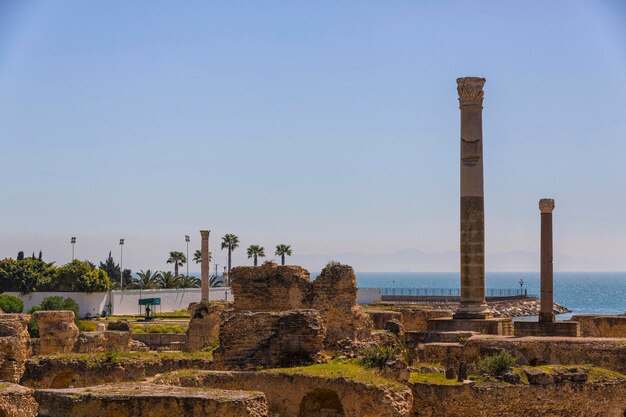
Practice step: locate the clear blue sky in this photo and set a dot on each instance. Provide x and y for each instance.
(332, 126)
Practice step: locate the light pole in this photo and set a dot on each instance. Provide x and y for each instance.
(73, 241)
(187, 240)
(121, 265)
(215, 274)
(521, 286)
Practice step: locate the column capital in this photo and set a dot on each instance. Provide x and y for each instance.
(546, 205)
(470, 91)
(204, 234)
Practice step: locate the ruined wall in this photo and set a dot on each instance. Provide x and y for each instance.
(271, 287)
(15, 346)
(57, 331)
(17, 401)
(150, 401)
(413, 320)
(281, 288)
(204, 325)
(107, 341)
(289, 394)
(555, 400)
(605, 353)
(592, 325)
(173, 341)
(269, 339)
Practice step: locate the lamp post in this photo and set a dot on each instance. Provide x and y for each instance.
(121, 265)
(215, 274)
(187, 240)
(73, 241)
(521, 286)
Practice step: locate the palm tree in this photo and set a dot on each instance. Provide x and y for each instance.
(146, 280)
(168, 280)
(197, 256)
(216, 281)
(282, 250)
(178, 259)
(256, 251)
(187, 281)
(230, 242)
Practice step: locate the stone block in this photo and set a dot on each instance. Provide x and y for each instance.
(107, 341)
(596, 325)
(15, 346)
(204, 325)
(57, 331)
(495, 326)
(555, 328)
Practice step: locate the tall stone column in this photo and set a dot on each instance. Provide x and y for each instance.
(204, 265)
(546, 206)
(473, 304)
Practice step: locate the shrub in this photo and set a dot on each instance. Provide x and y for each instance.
(33, 327)
(496, 365)
(96, 280)
(11, 304)
(377, 356)
(86, 326)
(59, 303)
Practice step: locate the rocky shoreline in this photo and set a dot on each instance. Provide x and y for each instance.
(521, 307)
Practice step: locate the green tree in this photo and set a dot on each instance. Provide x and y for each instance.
(112, 269)
(230, 242)
(197, 256)
(178, 259)
(168, 280)
(26, 275)
(187, 281)
(11, 304)
(96, 280)
(69, 274)
(146, 280)
(216, 281)
(256, 252)
(282, 250)
(20, 255)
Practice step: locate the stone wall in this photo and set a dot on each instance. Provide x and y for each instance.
(154, 341)
(281, 288)
(271, 287)
(149, 401)
(269, 339)
(57, 331)
(15, 347)
(17, 401)
(592, 325)
(291, 395)
(554, 400)
(204, 325)
(413, 320)
(89, 370)
(605, 353)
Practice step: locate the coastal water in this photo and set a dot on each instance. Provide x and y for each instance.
(581, 292)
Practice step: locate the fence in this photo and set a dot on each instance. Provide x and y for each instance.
(451, 292)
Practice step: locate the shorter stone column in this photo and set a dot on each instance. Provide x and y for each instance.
(546, 206)
(204, 264)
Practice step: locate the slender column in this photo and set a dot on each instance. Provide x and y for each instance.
(546, 206)
(473, 305)
(204, 264)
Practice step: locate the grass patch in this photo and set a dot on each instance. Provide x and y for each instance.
(159, 329)
(432, 378)
(338, 368)
(95, 359)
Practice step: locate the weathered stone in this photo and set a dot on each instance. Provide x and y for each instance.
(395, 327)
(304, 395)
(150, 401)
(57, 331)
(108, 341)
(271, 287)
(592, 325)
(511, 378)
(155, 341)
(270, 339)
(450, 373)
(204, 325)
(119, 326)
(462, 376)
(17, 401)
(538, 377)
(15, 347)
(100, 327)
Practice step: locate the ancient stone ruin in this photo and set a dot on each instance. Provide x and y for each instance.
(15, 347)
(57, 331)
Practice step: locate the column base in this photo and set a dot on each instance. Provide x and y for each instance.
(473, 312)
(546, 317)
(502, 326)
(557, 328)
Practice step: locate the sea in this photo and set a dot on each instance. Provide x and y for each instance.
(581, 292)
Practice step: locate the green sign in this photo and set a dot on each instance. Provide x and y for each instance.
(150, 301)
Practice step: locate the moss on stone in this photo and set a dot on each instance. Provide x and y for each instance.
(435, 378)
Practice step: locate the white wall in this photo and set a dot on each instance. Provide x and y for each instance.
(127, 302)
(368, 295)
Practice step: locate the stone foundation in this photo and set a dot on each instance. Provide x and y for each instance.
(496, 326)
(413, 320)
(170, 341)
(15, 347)
(605, 353)
(149, 401)
(269, 339)
(107, 341)
(554, 328)
(553, 400)
(204, 325)
(57, 331)
(592, 325)
(291, 395)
